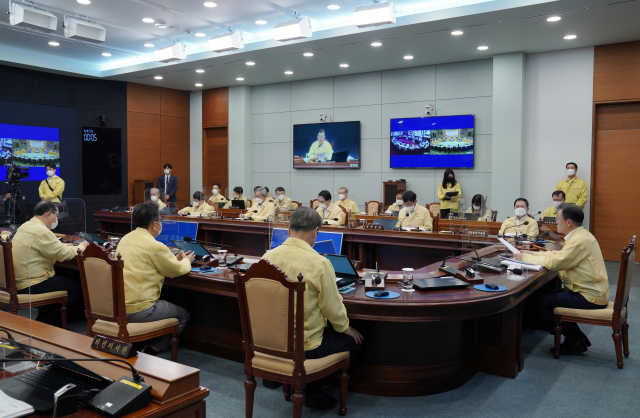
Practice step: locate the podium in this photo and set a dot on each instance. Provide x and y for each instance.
(139, 188)
(389, 191)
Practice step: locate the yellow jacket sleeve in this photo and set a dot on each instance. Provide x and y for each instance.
(441, 192)
(168, 265)
(53, 249)
(267, 209)
(566, 259)
(582, 200)
(330, 301)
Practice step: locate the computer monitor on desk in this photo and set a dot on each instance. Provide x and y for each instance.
(238, 204)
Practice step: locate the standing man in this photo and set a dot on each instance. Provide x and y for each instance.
(282, 202)
(349, 205)
(328, 211)
(216, 197)
(52, 187)
(558, 198)
(168, 183)
(413, 215)
(574, 189)
(319, 147)
(262, 209)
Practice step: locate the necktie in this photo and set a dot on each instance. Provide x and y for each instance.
(166, 183)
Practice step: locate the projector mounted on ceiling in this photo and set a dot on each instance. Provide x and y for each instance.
(85, 30)
(229, 41)
(31, 17)
(293, 29)
(375, 14)
(175, 52)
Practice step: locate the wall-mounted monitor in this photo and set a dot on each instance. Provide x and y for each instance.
(29, 146)
(326, 145)
(432, 142)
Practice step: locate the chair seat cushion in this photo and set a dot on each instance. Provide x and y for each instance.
(605, 314)
(283, 366)
(4, 297)
(110, 329)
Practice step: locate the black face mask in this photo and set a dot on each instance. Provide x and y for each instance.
(450, 178)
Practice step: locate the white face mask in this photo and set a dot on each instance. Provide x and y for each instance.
(521, 211)
(154, 198)
(235, 197)
(571, 172)
(51, 173)
(341, 196)
(258, 200)
(556, 204)
(476, 207)
(323, 205)
(160, 231)
(166, 171)
(214, 191)
(196, 204)
(411, 208)
(54, 224)
(399, 202)
(280, 197)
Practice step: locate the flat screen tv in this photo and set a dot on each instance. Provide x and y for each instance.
(326, 145)
(29, 146)
(432, 142)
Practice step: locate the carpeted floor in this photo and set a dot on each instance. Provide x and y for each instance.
(586, 385)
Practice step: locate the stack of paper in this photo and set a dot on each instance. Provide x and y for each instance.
(12, 408)
(525, 266)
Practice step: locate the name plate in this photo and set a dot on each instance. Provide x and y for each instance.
(115, 347)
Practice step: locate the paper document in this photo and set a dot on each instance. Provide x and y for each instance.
(411, 228)
(11, 408)
(509, 246)
(526, 266)
(321, 156)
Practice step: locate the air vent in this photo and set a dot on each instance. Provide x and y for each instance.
(544, 15)
(449, 29)
(369, 41)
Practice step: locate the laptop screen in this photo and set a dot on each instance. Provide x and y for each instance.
(198, 249)
(341, 265)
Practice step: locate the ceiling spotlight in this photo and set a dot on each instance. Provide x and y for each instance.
(199, 71)
(483, 48)
(161, 25)
(333, 7)
(344, 65)
(171, 53)
(198, 85)
(250, 63)
(570, 37)
(375, 14)
(210, 4)
(106, 54)
(54, 43)
(239, 79)
(457, 32)
(229, 41)
(148, 20)
(261, 22)
(288, 72)
(293, 29)
(158, 77)
(408, 57)
(84, 1)
(149, 45)
(200, 34)
(553, 18)
(308, 54)
(31, 17)
(376, 43)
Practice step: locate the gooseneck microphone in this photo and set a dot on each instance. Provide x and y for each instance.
(511, 227)
(189, 239)
(406, 215)
(100, 231)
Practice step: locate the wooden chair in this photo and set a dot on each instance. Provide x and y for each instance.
(434, 208)
(9, 297)
(494, 215)
(614, 315)
(346, 215)
(103, 289)
(373, 205)
(273, 338)
(314, 204)
(434, 221)
(295, 205)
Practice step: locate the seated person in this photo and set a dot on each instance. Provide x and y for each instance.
(330, 213)
(582, 271)
(262, 209)
(413, 215)
(558, 198)
(349, 205)
(155, 197)
(318, 147)
(282, 202)
(522, 222)
(199, 207)
(216, 197)
(478, 207)
(323, 303)
(267, 198)
(237, 195)
(35, 251)
(396, 207)
(146, 263)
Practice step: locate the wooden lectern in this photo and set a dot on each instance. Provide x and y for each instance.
(140, 186)
(389, 191)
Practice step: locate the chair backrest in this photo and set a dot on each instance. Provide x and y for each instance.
(314, 203)
(102, 285)
(434, 208)
(295, 205)
(7, 275)
(346, 214)
(373, 206)
(268, 301)
(625, 276)
(494, 215)
(434, 222)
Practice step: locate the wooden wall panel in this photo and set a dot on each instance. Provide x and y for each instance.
(215, 107)
(616, 75)
(215, 154)
(174, 103)
(174, 149)
(618, 116)
(143, 148)
(143, 99)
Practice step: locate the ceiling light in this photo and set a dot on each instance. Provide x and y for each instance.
(457, 32)
(261, 22)
(161, 25)
(171, 53)
(288, 72)
(375, 14)
(106, 54)
(408, 57)
(228, 41)
(199, 71)
(54, 43)
(210, 4)
(84, 1)
(333, 7)
(344, 65)
(84, 30)
(483, 48)
(308, 54)
(376, 43)
(239, 79)
(293, 29)
(250, 63)
(570, 37)
(148, 20)
(149, 45)
(31, 17)
(158, 77)
(200, 34)
(553, 18)
(198, 85)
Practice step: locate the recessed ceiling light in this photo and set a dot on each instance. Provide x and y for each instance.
(408, 57)
(250, 63)
(158, 77)
(457, 32)
(570, 37)
(553, 18)
(261, 22)
(161, 25)
(333, 7)
(344, 65)
(376, 43)
(308, 54)
(198, 85)
(106, 54)
(288, 72)
(239, 79)
(210, 4)
(149, 45)
(483, 48)
(200, 71)
(54, 43)
(148, 20)
(84, 1)
(200, 34)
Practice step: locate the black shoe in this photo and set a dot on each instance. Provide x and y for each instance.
(320, 400)
(586, 341)
(569, 348)
(150, 351)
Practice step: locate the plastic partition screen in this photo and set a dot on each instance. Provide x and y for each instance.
(432, 142)
(280, 236)
(326, 145)
(29, 147)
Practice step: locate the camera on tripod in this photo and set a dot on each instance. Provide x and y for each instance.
(16, 173)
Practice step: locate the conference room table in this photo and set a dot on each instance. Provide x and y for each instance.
(421, 343)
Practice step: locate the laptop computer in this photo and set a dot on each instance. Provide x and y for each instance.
(439, 283)
(340, 156)
(343, 268)
(325, 247)
(387, 224)
(238, 204)
(197, 249)
(92, 237)
(471, 216)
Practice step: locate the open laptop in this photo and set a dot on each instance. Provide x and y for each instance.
(439, 283)
(197, 249)
(343, 268)
(92, 237)
(387, 224)
(340, 156)
(325, 247)
(239, 204)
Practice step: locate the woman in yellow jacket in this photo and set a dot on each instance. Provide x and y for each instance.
(448, 203)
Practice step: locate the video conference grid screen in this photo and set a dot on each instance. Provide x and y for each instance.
(432, 142)
(29, 146)
(326, 145)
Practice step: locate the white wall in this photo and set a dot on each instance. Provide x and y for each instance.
(195, 140)
(559, 100)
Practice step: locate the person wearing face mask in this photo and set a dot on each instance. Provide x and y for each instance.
(328, 211)
(399, 203)
(216, 197)
(198, 206)
(478, 207)
(237, 195)
(412, 214)
(35, 251)
(266, 198)
(583, 274)
(52, 187)
(574, 188)
(154, 196)
(558, 198)
(282, 202)
(349, 205)
(146, 263)
(448, 204)
(326, 325)
(262, 209)
(168, 183)
(522, 223)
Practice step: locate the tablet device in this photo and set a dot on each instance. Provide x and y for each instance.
(239, 204)
(92, 237)
(451, 194)
(439, 283)
(197, 249)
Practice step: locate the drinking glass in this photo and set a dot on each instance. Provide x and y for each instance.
(407, 279)
(222, 258)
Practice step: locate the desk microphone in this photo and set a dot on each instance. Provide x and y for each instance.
(189, 239)
(536, 214)
(511, 227)
(402, 221)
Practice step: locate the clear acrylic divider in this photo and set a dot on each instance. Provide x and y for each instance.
(72, 216)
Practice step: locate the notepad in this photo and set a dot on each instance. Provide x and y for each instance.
(12, 408)
(509, 246)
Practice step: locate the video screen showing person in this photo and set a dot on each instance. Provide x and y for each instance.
(326, 145)
(432, 142)
(29, 146)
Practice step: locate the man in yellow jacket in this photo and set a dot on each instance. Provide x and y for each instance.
(217, 197)
(198, 207)
(282, 202)
(154, 196)
(575, 189)
(331, 214)
(521, 224)
(399, 204)
(237, 195)
(583, 274)
(320, 146)
(263, 208)
(558, 198)
(412, 214)
(35, 251)
(349, 205)
(52, 187)
(146, 263)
